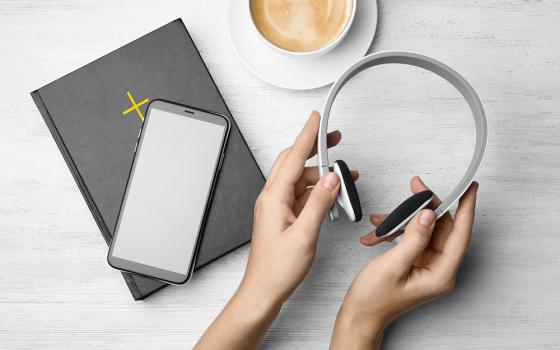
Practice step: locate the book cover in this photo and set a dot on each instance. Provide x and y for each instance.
(94, 114)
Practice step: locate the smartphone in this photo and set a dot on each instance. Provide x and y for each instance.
(176, 163)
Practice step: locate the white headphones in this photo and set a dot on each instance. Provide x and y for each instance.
(348, 198)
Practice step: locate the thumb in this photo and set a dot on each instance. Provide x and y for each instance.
(417, 236)
(320, 200)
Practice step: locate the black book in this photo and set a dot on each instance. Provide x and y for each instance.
(94, 115)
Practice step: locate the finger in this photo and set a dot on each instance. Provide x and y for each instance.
(294, 162)
(303, 195)
(301, 200)
(417, 236)
(371, 239)
(445, 223)
(320, 200)
(276, 165)
(377, 219)
(333, 139)
(456, 245)
(310, 176)
(417, 185)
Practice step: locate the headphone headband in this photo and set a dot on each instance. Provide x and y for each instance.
(434, 66)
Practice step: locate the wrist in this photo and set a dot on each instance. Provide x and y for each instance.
(242, 323)
(255, 306)
(360, 324)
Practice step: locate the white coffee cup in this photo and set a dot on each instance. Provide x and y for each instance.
(351, 10)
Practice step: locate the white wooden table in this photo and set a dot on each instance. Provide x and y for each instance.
(57, 291)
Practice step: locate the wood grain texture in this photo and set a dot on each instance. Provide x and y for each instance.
(57, 291)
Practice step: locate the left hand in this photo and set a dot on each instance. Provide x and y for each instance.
(287, 219)
(288, 216)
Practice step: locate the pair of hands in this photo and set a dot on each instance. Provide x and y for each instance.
(288, 216)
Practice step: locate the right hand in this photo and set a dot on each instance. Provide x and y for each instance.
(420, 268)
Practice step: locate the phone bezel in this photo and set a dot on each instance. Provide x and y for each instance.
(151, 271)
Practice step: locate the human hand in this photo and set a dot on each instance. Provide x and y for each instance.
(420, 268)
(288, 216)
(287, 219)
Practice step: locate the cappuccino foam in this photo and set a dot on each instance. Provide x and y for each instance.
(300, 25)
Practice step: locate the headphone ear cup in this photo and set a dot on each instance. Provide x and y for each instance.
(348, 197)
(404, 213)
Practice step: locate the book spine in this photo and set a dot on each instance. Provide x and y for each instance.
(81, 185)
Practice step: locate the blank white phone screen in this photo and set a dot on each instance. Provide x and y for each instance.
(168, 190)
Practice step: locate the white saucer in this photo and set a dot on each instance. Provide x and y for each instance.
(299, 73)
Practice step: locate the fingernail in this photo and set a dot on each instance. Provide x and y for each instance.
(427, 218)
(329, 181)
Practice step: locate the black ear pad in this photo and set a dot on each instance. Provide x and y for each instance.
(403, 213)
(351, 204)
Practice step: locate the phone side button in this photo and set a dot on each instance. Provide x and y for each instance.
(135, 147)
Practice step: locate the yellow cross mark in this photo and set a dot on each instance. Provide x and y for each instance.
(135, 106)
